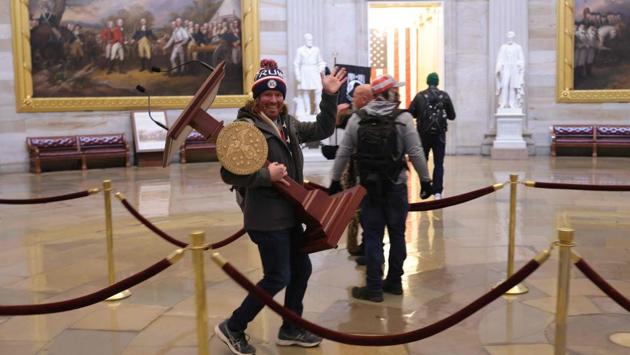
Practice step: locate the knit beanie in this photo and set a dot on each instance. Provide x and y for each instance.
(433, 79)
(269, 77)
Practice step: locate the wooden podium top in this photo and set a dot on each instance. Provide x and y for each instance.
(194, 115)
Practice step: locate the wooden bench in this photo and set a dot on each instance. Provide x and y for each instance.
(573, 136)
(103, 146)
(612, 137)
(52, 148)
(592, 137)
(195, 142)
(76, 148)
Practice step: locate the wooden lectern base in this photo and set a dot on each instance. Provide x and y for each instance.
(338, 214)
(326, 217)
(148, 159)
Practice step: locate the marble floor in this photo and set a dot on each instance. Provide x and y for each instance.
(57, 251)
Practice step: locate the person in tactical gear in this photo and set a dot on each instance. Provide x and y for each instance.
(432, 108)
(378, 137)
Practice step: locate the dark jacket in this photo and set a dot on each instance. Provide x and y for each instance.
(419, 105)
(264, 208)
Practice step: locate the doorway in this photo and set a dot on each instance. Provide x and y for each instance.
(406, 40)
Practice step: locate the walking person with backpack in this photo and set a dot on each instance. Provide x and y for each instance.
(432, 108)
(378, 137)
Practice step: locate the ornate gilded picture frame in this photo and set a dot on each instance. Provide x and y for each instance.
(90, 55)
(593, 51)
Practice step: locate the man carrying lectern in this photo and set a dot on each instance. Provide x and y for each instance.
(269, 218)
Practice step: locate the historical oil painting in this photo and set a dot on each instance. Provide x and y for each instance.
(104, 48)
(601, 59)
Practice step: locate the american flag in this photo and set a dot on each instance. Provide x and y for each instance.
(393, 52)
(378, 49)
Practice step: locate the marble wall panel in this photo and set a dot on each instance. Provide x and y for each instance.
(5, 31)
(6, 69)
(343, 36)
(470, 95)
(273, 10)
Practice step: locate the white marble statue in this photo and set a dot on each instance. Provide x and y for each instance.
(510, 71)
(308, 68)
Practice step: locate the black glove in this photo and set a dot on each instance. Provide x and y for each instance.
(335, 186)
(426, 189)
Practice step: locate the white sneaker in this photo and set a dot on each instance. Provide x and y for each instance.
(437, 196)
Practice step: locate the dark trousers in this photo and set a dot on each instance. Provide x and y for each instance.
(284, 265)
(437, 143)
(390, 212)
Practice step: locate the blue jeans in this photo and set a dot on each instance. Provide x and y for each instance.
(375, 216)
(284, 265)
(437, 143)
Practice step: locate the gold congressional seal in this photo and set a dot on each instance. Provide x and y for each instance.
(241, 148)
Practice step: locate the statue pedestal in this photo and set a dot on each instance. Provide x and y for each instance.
(509, 143)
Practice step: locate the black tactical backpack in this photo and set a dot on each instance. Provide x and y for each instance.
(377, 154)
(434, 117)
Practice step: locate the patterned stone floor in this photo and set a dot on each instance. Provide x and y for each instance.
(57, 251)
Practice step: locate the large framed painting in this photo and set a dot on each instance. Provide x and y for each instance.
(79, 55)
(593, 63)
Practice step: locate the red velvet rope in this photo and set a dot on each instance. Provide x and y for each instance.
(84, 301)
(603, 285)
(172, 240)
(227, 240)
(586, 187)
(383, 340)
(450, 201)
(33, 201)
(431, 205)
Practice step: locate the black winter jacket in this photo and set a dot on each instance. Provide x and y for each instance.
(264, 209)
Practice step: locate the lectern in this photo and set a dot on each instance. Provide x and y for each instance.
(194, 115)
(325, 217)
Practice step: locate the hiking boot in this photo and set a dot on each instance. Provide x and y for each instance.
(390, 287)
(300, 337)
(362, 293)
(236, 341)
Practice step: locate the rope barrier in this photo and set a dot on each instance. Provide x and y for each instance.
(453, 200)
(169, 238)
(95, 297)
(603, 285)
(435, 204)
(382, 340)
(39, 200)
(585, 187)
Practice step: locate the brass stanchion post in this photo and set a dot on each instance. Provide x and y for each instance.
(565, 236)
(520, 288)
(109, 237)
(197, 243)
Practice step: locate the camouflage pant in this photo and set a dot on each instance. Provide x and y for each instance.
(348, 180)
